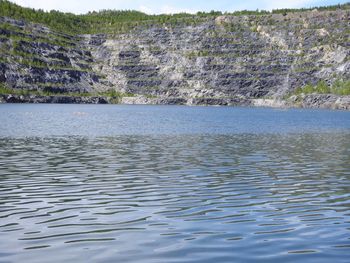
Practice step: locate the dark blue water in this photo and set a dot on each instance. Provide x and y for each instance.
(86, 183)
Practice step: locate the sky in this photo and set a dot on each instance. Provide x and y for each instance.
(170, 6)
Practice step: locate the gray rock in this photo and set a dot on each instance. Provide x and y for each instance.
(227, 60)
(52, 99)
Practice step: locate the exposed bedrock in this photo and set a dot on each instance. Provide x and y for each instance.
(226, 60)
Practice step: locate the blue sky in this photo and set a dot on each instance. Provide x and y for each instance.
(171, 6)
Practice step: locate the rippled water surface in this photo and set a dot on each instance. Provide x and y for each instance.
(84, 183)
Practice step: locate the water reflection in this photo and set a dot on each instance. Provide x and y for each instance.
(178, 198)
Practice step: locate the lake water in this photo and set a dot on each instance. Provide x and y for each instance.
(108, 183)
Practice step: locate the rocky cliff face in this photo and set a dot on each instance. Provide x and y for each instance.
(219, 60)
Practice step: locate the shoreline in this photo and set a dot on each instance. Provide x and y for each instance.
(311, 101)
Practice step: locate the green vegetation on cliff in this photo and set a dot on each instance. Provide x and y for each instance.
(115, 96)
(114, 21)
(339, 87)
(4, 89)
